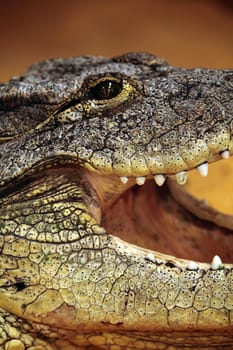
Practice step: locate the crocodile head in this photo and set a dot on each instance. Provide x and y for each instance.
(94, 250)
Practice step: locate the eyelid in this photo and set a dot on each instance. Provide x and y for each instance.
(73, 102)
(83, 103)
(95, 81)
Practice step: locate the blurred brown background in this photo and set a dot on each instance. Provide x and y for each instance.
(185, 32)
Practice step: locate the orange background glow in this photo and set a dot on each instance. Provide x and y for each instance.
(185, 32)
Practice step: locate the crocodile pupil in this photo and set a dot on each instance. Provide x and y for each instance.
(106, 90)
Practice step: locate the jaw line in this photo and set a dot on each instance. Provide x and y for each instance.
(117, 189)
(110, 188)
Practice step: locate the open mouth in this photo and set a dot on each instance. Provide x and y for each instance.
(164, 219)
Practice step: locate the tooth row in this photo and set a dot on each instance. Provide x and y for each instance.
(181, 177)
(159, 179)
(140, 180)
(216, 264)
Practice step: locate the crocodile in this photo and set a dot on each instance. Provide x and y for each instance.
(100, 245)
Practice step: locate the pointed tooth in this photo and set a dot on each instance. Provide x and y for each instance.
(216, 263)
(203, 169)
(159, 179)
(181, 177)
(140, 180)
(150, 257)
(192, 266)
(225, 154)
(124, 179)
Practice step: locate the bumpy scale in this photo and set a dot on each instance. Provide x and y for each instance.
(77, 137)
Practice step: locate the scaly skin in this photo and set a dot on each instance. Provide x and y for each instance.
(69, 129)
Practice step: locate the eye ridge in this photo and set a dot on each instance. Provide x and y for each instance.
(105, 90)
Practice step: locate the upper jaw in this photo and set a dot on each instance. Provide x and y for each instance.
(128, 164)
(132, 160)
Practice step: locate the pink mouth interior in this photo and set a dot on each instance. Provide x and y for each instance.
(150, 217)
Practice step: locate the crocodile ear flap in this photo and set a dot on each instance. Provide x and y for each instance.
(142, 58)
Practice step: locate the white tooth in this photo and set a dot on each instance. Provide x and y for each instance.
(140, 180)
(203, 169)
(192, 266)
(181, 177)
(151, 257)
(225, 154)
(216, 263)
(159, 179)
(124, 179)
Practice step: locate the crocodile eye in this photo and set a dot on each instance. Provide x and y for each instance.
(105, 90)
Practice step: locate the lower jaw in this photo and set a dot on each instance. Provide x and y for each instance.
(168, 221)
